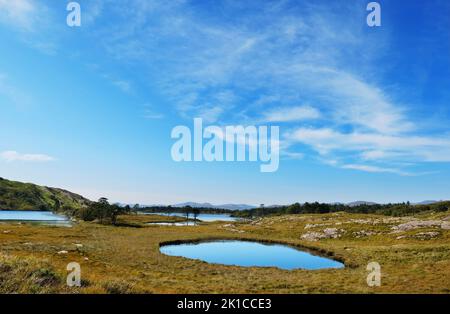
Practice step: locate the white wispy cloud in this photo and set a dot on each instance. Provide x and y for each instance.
(287, 59)
(153, 116)
(375, 169)
(293, 155)
(197, 58)
(20, 13)
(361, 104)
(262, 66)
(288, 114)
(33, 22)
(11, 156)
(381, 154)
(125, 86)
(150, 113)
(11, 92)
(375, 145)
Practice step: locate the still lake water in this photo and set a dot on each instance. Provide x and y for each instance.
(42, 217)
(246, 253)
(201, 217)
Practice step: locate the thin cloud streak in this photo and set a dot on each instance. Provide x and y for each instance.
(289, 114)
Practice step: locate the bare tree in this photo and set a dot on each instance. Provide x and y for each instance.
(196, 212)
(187, 211)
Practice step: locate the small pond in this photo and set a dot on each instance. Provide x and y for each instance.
(249, 253)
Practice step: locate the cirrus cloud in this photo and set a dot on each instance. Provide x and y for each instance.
(288, 114)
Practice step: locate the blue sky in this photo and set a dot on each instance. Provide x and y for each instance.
(363, 112)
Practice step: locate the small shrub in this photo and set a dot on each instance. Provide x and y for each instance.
(117, 287)
(45, 277)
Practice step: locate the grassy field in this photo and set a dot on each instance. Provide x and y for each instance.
(414, 254)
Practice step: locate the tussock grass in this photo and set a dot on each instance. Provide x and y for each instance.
(28, 275)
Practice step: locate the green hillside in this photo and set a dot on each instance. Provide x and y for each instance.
(26, 196)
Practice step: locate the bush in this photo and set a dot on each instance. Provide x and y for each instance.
(117, 287)
(102, 211)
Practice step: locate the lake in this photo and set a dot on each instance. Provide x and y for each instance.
(43, 217)
(248, 253)
(201, 217)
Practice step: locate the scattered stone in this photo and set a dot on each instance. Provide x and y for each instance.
(421, 236)
(236, 230)
(62, 252)
(7, 231)
(361, 221)
(363, 233)
(416, 224)
(312, 236)
(332, 232)
(328, 233)
(232, 228)
(257, 222)
(396, 219)
(78, 245)
(426, 235)
(308, 226)
(86, 258)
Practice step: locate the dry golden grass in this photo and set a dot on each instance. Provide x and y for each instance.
(127, 259)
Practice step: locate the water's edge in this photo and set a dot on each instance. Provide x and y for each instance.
(320, 252)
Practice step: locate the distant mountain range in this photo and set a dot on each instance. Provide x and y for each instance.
(27, 196)
(359, 203)
(199, 205)
(209, 205)
(246, 206)
(426, 202)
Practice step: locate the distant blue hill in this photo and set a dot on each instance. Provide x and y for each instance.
(427, 202)
(223, 206)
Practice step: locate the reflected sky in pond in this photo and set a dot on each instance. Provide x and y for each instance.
(246, 253)
(34, 217)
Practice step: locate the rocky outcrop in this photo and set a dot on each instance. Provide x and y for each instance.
(363, 233)
(417, 224)
(328, 233)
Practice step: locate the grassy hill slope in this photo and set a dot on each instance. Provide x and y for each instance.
(27, 196)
